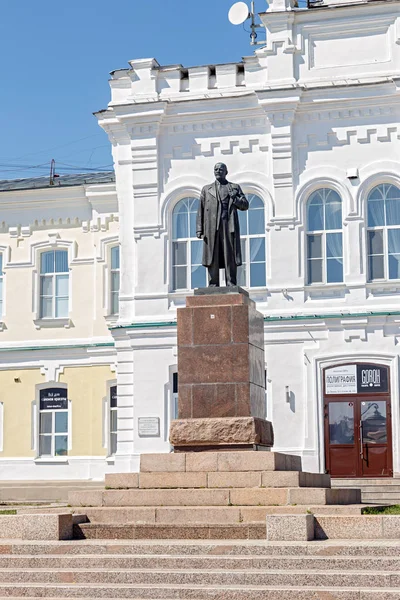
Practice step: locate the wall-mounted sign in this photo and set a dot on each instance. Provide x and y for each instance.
(53, 399)
(356, 379)
(372, 378)
(341, 380)
(149, 426)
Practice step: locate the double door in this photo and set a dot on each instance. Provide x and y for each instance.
(358, 434)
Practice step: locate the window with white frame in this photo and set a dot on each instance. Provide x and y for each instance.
(54, 284)
(1, 285)
(384, 232)
(187, 250)
(252, 273)
(53, 422)
(114, 280)
(113, 420)
(324, 237)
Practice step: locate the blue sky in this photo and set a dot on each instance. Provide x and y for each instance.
(55, 59)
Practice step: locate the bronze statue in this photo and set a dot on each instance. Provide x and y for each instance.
(218, 224)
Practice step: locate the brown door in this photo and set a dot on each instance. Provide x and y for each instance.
(358, 432)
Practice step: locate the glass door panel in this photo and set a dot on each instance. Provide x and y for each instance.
(341, 430)
(375, 438)
(341, 423)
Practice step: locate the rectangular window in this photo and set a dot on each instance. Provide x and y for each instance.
(54, 284)
(1, 284)
(180, 265)
(53, 422)
(114, 278)
(334, 258)
(113, 419)
(376, 254)
(315, 259)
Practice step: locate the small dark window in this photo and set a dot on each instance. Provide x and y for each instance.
(175, 383)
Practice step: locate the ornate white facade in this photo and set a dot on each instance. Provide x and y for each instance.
(317, 108)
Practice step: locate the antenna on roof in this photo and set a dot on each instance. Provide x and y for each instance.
(239, 13)
(53, 173)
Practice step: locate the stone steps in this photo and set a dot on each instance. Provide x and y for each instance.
(216, 497)
(198, 577)
(231, 548)
(43, 491)
(195, 531)
(220, 570)
(345, 527)
(112, 561)
(156, 514)
(220, 479)
(204, 593)
(236, 461)
(380, 490)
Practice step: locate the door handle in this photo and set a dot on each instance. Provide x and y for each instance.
(361, 441)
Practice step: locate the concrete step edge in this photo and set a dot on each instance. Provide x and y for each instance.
(189, 571)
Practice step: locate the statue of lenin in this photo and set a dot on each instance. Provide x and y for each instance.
(218, 224)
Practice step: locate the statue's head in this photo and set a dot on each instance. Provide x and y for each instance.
(220, 171)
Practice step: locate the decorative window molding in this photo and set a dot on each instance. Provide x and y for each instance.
(53, 243)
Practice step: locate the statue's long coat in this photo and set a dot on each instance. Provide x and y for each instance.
(209, 216)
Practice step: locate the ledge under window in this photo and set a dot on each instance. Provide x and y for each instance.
(59, 460)
(318, 291)
(52, 323)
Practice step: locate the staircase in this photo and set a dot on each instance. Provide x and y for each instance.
(42, 491)
(380, 490)
(206, 495)
(196, 570)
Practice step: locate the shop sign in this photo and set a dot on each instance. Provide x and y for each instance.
(372, 378)
(149, 426)
(341, 380)
(53, 399)
(356, 379)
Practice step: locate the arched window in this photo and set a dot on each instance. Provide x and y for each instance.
(384, 232)
(187, 270)
(54, 284)
(324, 237)
(252, 232)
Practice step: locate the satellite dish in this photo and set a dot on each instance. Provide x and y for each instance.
(238, 13)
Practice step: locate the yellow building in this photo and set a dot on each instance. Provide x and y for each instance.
(59, 282)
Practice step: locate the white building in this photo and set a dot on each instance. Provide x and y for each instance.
(309, 127)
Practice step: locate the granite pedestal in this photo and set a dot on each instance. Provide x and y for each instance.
(221, 372)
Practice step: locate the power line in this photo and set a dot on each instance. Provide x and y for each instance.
(57, 147)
